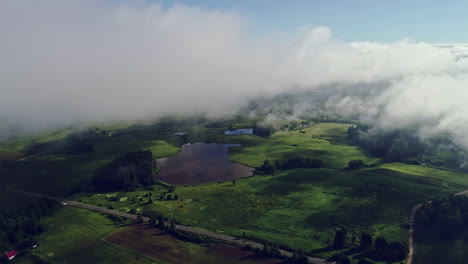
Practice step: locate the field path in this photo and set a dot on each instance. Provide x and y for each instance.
(411, 228)
(229, 239)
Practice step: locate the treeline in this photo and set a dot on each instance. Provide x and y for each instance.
(406, 146)
(126, 172)
(20, 225)
(445, 218)
(369, 250)
(295, 163)
(157, 220)
(263, 131)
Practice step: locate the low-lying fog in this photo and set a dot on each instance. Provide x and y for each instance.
(65, 61)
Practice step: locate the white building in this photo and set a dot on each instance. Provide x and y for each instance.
(241, 131)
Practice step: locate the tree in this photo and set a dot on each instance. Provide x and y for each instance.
(366, 240)
(397, 251)
(344, 260)
(380, 243)
(139, 218)
(161, 222)
(340, 239)
(267, 167)
(266, 248)
(172, 227)
(150, 201)
(356, 164)
(126, 172)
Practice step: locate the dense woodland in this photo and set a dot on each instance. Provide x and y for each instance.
(18, 226)
(406, 146)
(126, 172)
(369, 250)
(445, 218)
(288, 164)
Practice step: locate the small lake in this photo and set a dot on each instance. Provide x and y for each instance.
(201, 163)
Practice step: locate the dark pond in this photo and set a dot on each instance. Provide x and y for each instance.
(201, 163)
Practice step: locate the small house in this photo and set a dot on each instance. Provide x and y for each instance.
(11, 254)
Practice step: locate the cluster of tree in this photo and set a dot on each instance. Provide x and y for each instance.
(273, 250)
(79, 148)
(380, 250)
(118, 220)
(295, 125)
(22, 224)
(126, 172)
(299, 257)
(169, 197)
(86, 135)
(269, 168)
(159, 221)
(263, 131)
(445, 217)
(406, 146)
(356, 164)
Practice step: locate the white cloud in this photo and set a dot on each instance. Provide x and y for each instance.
(63, 61)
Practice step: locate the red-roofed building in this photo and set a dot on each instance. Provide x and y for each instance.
(11, 254)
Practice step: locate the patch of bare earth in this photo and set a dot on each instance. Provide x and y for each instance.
(160, 246)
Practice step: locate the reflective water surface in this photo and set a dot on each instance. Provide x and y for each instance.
(201, 163)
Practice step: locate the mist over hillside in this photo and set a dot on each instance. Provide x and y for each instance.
(65, 62)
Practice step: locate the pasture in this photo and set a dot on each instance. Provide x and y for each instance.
(74, 235)
(297, 208)
(302, 144)
(157, 244)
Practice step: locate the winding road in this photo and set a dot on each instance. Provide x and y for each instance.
(411, 228)
(229, 239)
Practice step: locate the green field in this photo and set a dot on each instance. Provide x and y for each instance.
(298, 208)
(294, 144)
(76, 235)
(162, 247)
(58, 174)
(445, 175)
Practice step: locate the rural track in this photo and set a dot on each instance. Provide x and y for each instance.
(414, 210)
(224, 238)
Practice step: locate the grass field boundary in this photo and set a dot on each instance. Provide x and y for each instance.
(103, 239)
(241, 242)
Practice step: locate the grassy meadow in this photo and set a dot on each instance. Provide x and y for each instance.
(294, 144)
(299, 208)
(75, 235)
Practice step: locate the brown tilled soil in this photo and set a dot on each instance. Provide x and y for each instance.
(160, 246)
